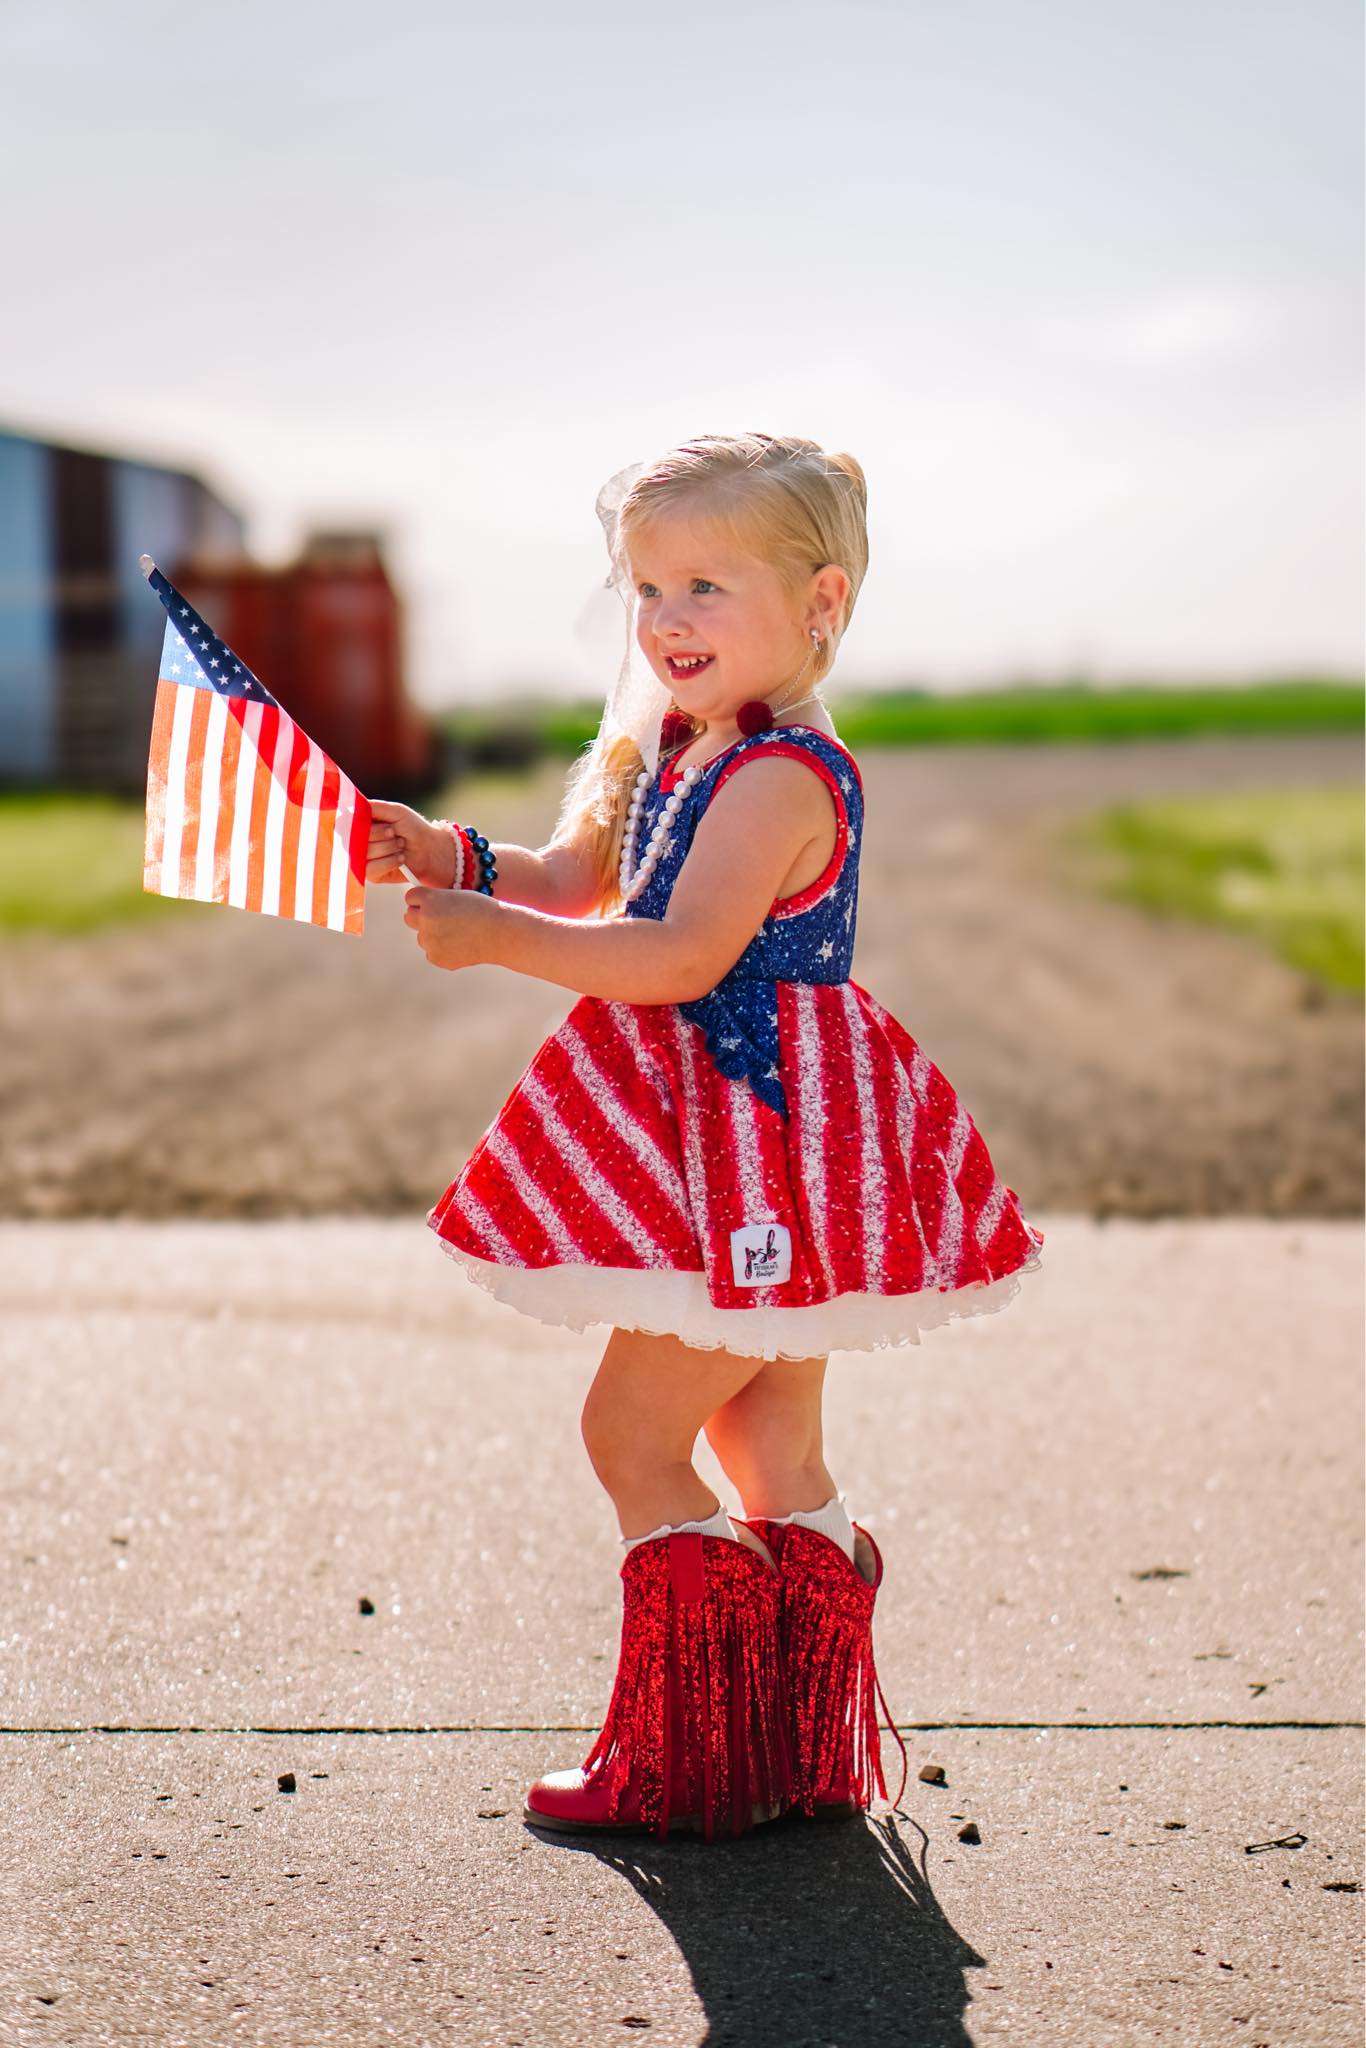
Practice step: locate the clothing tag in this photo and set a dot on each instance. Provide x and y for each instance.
(761, 1253)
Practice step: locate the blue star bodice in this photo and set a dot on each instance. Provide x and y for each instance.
(806, 937)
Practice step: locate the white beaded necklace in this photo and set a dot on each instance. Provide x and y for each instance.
(632, 878)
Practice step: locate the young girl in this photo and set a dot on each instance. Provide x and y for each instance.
(729, 1152)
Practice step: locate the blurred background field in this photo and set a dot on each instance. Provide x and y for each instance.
(1068, 930)
(71, 862)
(1284, 866)
(1036, 714)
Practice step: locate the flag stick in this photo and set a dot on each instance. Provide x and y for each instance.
(147, 565)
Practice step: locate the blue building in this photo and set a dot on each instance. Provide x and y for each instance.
(79, 638)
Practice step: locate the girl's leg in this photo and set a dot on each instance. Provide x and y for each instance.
(645, 1407)
(767, 1436)
(697, 1723)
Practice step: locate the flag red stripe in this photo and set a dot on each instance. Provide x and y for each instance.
(327, 826)
(227, 804)
(158, 758)
(355, 868)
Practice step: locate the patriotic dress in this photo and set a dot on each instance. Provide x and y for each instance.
(776, 1167)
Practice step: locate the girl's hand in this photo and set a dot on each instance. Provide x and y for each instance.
(452, 925)
(398, 834)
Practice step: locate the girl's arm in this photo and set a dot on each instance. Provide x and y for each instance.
(556, 878)
(751, 833)
(559, 878)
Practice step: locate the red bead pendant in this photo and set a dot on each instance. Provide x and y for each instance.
(754, 716)
(675, 730)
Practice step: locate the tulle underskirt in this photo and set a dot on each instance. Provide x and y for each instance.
(664, 1303)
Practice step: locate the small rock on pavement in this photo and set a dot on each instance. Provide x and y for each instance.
(932, 1774)
(970, 1833)
(285, 1781)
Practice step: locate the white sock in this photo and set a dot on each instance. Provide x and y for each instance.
(715, 1525)
(832, 1520)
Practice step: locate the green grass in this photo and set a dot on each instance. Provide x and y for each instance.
(1026, 715)
(1283, 865)
(1078, 711)
(71, 863)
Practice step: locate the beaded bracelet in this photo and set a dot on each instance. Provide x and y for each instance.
(475, 864)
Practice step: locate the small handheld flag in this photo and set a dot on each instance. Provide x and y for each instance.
(242, 806)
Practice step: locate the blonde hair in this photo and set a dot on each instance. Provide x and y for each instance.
(778, 499)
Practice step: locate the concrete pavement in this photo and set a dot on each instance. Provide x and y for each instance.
(1122, 1526)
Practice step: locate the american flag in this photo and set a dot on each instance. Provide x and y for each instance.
(242, 806)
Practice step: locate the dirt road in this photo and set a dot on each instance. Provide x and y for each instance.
(223, 1065)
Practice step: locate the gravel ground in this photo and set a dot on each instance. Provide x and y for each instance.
(1117, 1063)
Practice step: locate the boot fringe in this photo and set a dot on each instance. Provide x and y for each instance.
(700, 1633)
(833, 1686)
(828, 1631)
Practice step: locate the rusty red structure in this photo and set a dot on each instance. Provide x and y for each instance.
(80, 635)
(324, 634)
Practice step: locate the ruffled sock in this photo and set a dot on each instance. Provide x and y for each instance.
(832, 1520)
(715, 1525)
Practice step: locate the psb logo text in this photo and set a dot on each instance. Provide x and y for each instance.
(761, 1254)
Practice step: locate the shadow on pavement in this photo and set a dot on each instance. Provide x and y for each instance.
(807, 1936)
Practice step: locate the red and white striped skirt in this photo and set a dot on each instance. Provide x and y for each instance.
(626, 1181)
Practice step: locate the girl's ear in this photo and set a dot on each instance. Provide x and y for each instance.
(827, 596)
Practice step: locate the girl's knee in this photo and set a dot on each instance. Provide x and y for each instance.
(760, 1435)
(620, 1445)
(601, 1433)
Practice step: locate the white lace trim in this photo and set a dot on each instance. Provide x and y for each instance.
(662, 1303)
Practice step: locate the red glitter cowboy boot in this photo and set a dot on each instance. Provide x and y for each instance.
(832, 1682)
(696, 1732)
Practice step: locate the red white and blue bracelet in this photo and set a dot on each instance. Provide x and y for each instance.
(475, 865)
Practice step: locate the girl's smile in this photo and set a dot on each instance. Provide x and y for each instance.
(680, 665)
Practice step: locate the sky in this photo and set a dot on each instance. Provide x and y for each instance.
(1080, 284)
